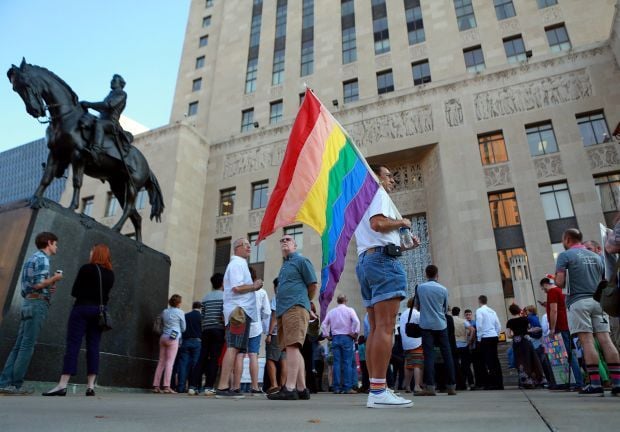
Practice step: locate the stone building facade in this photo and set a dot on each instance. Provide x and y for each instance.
(495, 117)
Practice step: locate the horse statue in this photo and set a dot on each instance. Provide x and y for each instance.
(68, 142)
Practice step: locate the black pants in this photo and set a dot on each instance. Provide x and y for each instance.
(465, 376)
(212, 343)
(488, 349)
(365, 377)
(307, 353)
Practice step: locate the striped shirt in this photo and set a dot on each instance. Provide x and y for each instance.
(213, 310)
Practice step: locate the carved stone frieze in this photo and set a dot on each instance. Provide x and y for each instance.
(407, 177)
(551, 15)
(603, 156)
(532, 95)
(509, 26)
(498, 175)
(409, 202)
(470, 36)
(255, 218)
(418, 51)
(223, 225)
(548, 166)
(254, 159)
(454, 112)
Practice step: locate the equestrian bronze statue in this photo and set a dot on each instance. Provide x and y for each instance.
(95, 146)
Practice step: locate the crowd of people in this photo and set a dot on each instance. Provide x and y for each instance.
(426, 349)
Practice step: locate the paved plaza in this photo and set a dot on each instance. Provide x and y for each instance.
(509, 410)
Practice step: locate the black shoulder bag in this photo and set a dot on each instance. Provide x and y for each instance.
(413, 330)
(104, 322)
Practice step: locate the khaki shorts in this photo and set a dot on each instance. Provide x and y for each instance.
(292, 327)
(587, 316)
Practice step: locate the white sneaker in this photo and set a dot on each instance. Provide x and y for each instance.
(397, 395)
(191, 392)
(387, 399)
(209, 392)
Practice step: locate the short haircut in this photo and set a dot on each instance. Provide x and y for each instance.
(238, 242)
(376, 168)
(217, 280)
(531, 309)
(483, 299)
(196, 305)
(593, 243)
(467, 311)
(456, 311)
(514, 309)
(431, 271)
(175, 300)
(341, 299)
(545, 281)
(574, 234)
(44, 238)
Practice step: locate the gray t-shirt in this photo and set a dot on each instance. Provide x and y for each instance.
(433, 300)
(584, 270)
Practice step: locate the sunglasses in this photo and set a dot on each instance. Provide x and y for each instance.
(287, 239)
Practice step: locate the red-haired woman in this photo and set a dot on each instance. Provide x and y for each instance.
(84, 318)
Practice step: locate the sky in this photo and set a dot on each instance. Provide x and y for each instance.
(85, 42)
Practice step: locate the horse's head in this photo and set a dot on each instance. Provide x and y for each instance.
(27, 86)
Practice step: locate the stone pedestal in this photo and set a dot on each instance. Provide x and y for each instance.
(129, 351)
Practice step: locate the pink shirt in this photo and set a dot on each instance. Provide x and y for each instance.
(342, 320)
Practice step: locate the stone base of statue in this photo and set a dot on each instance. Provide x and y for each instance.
(129, 351)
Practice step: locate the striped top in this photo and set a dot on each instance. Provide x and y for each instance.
(213, 310)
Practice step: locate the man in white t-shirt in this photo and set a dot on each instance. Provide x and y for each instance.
(239, 312)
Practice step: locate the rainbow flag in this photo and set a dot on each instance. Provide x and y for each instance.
(324, 182)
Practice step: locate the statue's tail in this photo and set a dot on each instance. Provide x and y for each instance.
(156, 199)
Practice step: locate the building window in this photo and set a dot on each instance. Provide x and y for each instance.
(277, 76)
(465, 17)
(504, 209)
(208, 3)
(247, 120)
(608, 190)
(281, 18)
(350, 91)
(203, 41)
(593, 128)
(307, 38)
(222, 255)
(474, 59)
(257, 254)
(415, 24)
(556, 201)
(421, 72)
(515, 49)
(192, 109)
(250, 75)
(206, 21)
(227, 201)
(141, 199)
(252, 67)
(259, 194)
(380, 27)
(541, 139)
(504, 256)
(196, 84)
(297, 233)
(275, 112)
(111, 206)
(492, 148)
(278, 67)
(302, 96)
(200, 62)
(546, 3)
(504, 9)
(558, 38)
(347, 23)
(87, 205)
(385, 82)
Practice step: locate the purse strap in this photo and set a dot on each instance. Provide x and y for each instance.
(100, 288)
(413, 305)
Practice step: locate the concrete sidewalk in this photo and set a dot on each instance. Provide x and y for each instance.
(480, 411)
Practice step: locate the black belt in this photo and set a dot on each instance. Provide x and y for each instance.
(372, 250)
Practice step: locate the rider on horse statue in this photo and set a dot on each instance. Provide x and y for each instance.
(110, 110)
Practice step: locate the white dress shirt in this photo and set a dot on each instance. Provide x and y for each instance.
(487, 323)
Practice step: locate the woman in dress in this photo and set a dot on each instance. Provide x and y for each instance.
(173, 320)
(526, 360)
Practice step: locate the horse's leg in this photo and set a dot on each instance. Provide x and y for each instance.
(77, 166)
(128, 205)
(46, 179)
(136, 220)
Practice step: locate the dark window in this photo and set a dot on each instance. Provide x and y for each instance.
(196, 84)
(504, 209)
(558, 38)
(504, 9)
(546, 3)
(206, 21)
(307, 58)
(227, 201)
(415, 24)
(421, 72)
(259, 194)
(279, 46)
(465, 17)
(380, 27)
(247, 120)
(200, 62)
(222, 255)
(252, 67)
(474, 59)
(203, 41)
(87, 205)
(350, 91)
(278, 67)
(541, 139)
(347, 23)
(208, 3)
(385, 82)
(515, 49)
(504, 257)
(492, 148)
(111, 205)
(275, 112)
(593, 128)
(281, 18)
(250, 75)
(257, 255)
(192, 109)
(556, 201)
(608, 189)
(307, 38)
(297, 233)
(302, 96)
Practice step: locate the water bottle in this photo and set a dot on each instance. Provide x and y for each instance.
(406, 239)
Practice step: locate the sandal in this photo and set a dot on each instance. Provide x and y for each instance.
(168, 390)
(155, 390)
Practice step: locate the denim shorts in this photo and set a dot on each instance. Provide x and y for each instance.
(381, 278)
(254, 345)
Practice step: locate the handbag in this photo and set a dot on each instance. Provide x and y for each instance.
(413, 330)
(104, 323)
(608, 294)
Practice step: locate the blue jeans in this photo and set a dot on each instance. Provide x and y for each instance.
(574, 364)
(430, 338)
(342, 347)
(188, 360)
(33, 314)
